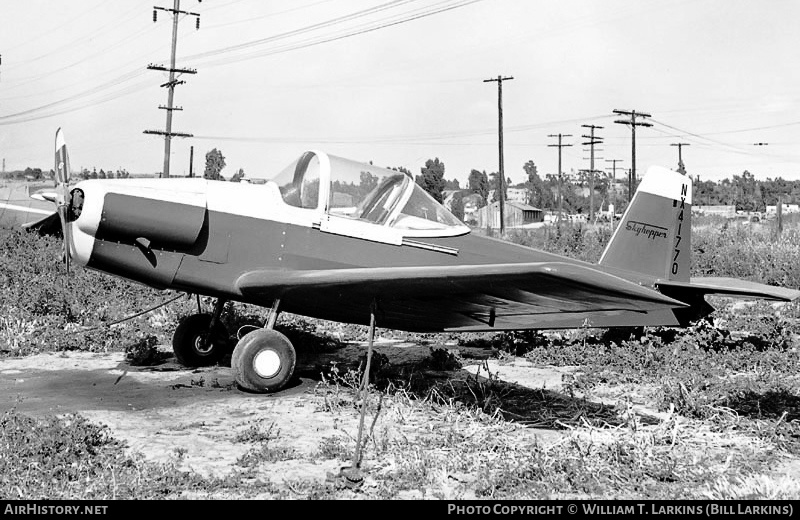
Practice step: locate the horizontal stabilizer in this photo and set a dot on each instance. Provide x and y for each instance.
(727, 287)
(48, 195)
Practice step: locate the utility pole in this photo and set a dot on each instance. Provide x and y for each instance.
(633, 124)
(613, 186)
(173, 82)
(191, 161)
(501, 175)
(560, 146)
(681, 167)
(592, 141)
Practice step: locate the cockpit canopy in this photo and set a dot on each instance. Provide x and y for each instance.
(359, 191)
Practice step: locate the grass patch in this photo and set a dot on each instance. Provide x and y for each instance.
(68, 457)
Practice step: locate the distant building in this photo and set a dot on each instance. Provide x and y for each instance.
(471, 202)
(516, 214)
(517, 195)
(787, 208)
(720, 211)
(513, 194)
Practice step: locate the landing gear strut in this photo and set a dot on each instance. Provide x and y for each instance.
(264, 359)
(201, 339)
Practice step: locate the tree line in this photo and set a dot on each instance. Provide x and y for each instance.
(744, 191)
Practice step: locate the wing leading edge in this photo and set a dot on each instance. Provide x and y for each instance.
(470, 297)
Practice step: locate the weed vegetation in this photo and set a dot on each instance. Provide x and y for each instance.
(711, 411)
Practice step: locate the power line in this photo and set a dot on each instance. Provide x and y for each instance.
(302, 30)
(251, 19)
(55, 30)
(363, 29)
(405, 17)
(67, 47)
(94, 90)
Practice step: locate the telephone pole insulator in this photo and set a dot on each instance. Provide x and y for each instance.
(167, 69)
(168, 134)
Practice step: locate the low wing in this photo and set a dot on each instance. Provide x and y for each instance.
(49, 225)
(727, 287)
(472, 297)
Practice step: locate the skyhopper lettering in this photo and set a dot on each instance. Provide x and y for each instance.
(642, 229)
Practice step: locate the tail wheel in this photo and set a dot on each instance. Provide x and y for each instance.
(263, 361)
(196, 345)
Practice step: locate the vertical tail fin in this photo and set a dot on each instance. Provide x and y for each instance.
(654, 235)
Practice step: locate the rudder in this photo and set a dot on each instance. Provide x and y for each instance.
(654, 235)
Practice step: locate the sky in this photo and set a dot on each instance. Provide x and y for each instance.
(400, 82)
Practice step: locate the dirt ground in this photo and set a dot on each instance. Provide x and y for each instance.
(201, 420)
(167, 410)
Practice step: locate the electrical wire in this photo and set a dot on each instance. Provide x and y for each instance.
(262, 17)
(18, 116)
(295, 32)
(371, 27)
(406, 139)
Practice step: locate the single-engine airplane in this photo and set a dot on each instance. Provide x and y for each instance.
(345, 241)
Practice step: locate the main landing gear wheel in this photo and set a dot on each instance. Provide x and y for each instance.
(263, 361)
(196, 345)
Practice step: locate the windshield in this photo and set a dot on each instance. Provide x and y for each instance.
(362, 191)
(422, 212)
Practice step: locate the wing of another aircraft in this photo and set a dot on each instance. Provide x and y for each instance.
(467, 297)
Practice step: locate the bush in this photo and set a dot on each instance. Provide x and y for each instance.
(53, 311)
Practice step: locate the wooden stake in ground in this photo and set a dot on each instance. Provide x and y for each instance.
(352, 475)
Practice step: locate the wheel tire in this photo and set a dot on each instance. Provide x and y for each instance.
(263, 361)
(187, 346)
